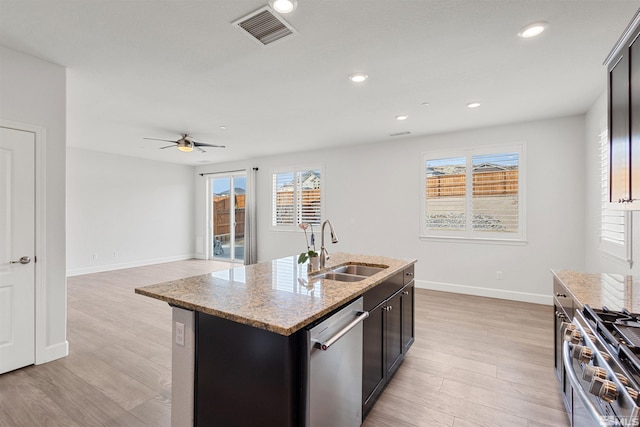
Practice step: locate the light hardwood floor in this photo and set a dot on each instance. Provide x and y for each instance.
(476, 361)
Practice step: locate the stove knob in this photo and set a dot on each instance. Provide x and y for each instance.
(604, 389)
(624, 380)
(576, 337)
(591, 337)
(590, 372)
(583, 354)
(633, 393)
(568, 329)
(605, 356)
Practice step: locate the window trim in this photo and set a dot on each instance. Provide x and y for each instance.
(295, 170)
(477, 236)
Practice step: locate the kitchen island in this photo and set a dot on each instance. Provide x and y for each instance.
(240, 352)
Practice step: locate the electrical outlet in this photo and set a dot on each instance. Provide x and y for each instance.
(499, 275)
(95, 256)
(180, 333)
(116, 254)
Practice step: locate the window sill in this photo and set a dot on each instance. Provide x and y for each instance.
(627, 262)
(475, 240)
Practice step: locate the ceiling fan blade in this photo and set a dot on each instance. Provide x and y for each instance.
(198, 148)
(204, 144)
(168, 146)
(156, 139)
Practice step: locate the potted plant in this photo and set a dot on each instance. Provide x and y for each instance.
(310, 254)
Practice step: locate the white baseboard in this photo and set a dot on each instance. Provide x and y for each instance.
(485, 292)
(131, 264)
(52, 352)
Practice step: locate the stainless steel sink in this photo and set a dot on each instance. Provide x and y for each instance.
(349, 273)
(358, 269)
(340, 277)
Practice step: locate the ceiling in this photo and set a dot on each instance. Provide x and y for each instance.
(160, 68)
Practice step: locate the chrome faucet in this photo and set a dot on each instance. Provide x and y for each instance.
(324, 255)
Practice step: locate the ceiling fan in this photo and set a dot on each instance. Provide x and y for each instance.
(187, 143)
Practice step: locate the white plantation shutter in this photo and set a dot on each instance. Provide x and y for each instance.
(309, 196)
(495, 192)
(283, 199)
(475, 193)
(297, 198)
(614, 224)
(445, 193)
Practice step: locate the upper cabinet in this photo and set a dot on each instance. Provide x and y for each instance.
(623, 64)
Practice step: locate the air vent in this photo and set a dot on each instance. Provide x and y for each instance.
(265, 26)
(400, 134)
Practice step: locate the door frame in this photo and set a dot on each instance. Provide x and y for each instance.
(209, 235)
(43, 354)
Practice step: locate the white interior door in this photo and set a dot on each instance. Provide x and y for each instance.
(17, 249)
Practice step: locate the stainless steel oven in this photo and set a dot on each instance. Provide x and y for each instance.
(602, 385)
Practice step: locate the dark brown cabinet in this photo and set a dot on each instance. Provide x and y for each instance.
(388, 333)
(563, 306)
(408, 310)
(623, 64)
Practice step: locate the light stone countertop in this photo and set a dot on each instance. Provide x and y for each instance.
(277, 295)
(616, 291)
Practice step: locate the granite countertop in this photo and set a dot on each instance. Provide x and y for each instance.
(278, 295)
(616, 291)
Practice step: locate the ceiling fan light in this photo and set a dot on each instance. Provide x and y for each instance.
(185, 145)
(283, 6)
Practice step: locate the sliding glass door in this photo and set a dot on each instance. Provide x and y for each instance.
(228, 201)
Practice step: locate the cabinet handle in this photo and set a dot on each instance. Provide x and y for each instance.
(387, 308)
(559, 295)
(409, 273)
(559, 315)
(405, 292)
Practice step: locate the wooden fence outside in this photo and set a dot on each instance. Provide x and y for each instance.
(222, 216)
(484, 184)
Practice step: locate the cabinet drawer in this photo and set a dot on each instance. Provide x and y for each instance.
(408, 274)
(563, 299)
(383, 291)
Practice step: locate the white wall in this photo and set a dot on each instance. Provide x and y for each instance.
(127, 211)
(33, 92)
(373, 199)
(597, 261)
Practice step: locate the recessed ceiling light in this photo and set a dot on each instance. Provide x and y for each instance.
(223, 127)
(532, 30)
(425, 104)
(402, 117)
(473, 105)
(283, 6)
(358, 77)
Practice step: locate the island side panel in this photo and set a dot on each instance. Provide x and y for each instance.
(182, 368)
(248, 376)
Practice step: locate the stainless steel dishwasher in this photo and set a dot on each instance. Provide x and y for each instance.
(335, 369)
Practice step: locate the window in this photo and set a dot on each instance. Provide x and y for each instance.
(474, 194)
(614, 224)
(297, 198)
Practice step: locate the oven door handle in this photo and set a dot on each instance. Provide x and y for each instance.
(575, 382)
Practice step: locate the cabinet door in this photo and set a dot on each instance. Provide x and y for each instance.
(619, 130)
(634, 55)
(393, 330)
(373, 370)
(408, 307)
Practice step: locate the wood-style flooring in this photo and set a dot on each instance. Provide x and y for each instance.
(475, 362)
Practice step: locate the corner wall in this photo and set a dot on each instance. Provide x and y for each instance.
(33, 92)
(126, 212)
(373, 199)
